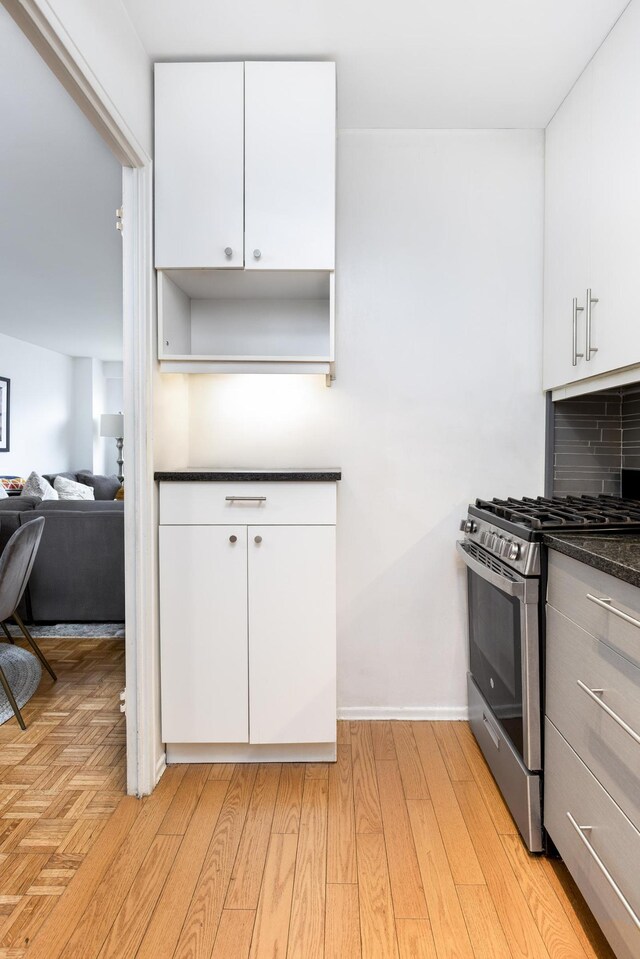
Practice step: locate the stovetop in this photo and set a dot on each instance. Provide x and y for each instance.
(563, 512)
(511, 529)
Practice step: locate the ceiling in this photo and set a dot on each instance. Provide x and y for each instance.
(60, 254)
(408, 64)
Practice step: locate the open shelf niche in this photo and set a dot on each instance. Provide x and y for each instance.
(245, 321)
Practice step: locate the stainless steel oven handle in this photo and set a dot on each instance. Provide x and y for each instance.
(507, 586)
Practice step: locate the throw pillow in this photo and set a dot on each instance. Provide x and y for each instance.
(69, 489)
(12, 484)
(37, 486)
(3, 493)
(104, 487)
(120, 493)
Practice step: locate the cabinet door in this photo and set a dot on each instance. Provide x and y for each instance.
(292, 645)
(566, 235)
(615, 197)
(203, 634)
(199, 145)
(290, 137)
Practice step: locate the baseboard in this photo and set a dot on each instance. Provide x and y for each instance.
(161, 766)
(412, 713)
(251, 753)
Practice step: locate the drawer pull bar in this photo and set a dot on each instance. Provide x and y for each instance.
(593, 694)
(606, 602)
(607, 875)
(491, 731)
(252, 499)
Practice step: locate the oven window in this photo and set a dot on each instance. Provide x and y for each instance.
(495, 653)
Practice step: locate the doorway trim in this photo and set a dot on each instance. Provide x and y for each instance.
(42, 26)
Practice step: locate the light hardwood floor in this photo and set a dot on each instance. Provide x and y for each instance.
(401, 850)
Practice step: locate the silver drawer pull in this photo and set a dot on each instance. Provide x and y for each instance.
(245, 499)
(607, 875)
(491, 731)
(593, 694)
(605, 602)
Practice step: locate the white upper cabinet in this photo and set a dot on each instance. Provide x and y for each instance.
(290, 149)
(592, 216)
(245, 165)
(199, 176)
(566, 242)
(615, 198)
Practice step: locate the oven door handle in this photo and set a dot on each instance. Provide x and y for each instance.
(508, 586)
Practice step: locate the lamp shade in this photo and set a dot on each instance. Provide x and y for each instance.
(112, 424)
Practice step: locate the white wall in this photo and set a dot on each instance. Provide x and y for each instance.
(42, 391)
(437, 398)
(97, 390)
(108, 42)
(61, 260)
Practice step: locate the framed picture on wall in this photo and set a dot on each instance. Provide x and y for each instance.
(5, 412)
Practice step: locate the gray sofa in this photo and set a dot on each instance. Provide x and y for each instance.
(78, 575)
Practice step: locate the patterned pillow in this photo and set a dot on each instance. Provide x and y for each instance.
(39, 487)
(12, 484)
(68, 489)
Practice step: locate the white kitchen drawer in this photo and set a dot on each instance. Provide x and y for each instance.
(251, 503)
(572, 583)
(578, 664)
(606, 843)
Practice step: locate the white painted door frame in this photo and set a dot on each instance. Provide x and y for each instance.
(145, 752)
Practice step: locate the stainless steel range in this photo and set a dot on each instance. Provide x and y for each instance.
(506, 563)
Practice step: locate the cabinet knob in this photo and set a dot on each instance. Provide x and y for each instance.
(228, 251)
(257, 539)
(233, 539)
(257, 254)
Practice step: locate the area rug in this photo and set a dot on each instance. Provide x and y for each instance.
(74, 630)
(23, 672)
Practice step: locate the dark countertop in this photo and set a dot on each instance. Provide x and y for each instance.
(615, 553)
(249, 476)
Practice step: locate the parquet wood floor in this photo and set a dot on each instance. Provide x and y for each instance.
(60, 781)
(403, 849)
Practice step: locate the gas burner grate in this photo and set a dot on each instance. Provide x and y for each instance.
(557, 512)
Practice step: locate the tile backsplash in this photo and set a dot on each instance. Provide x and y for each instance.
(631, 428)
(595, 437)
(587, 455)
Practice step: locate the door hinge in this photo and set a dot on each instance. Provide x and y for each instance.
(120, 219)
(123, 700)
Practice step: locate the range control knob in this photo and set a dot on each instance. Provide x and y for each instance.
(505, 547)
(514, 551)
(467, 526)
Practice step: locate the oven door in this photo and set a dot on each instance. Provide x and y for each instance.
(504, 647)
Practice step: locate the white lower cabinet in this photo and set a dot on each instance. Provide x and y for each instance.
(292, 614)
(247, 627)
(203, 617)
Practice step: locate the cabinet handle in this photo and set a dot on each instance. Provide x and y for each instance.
(593, 694)
(257, 539)
(605, 602)
(605, 872)
(228, 251)
(257, 254)
(590, 349)
(491, 731)
(245, 499)
(576, 309)
(233, 539)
